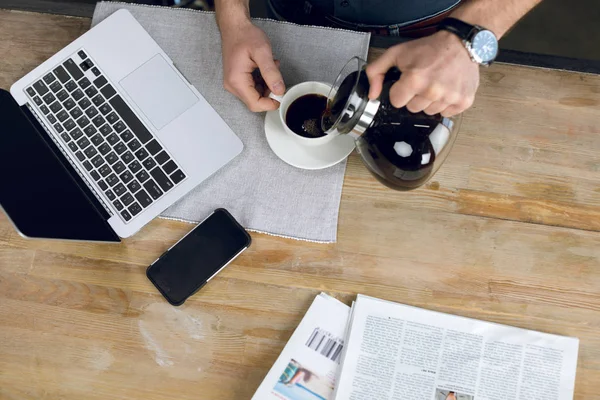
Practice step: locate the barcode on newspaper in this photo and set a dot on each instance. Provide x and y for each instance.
(325, 344)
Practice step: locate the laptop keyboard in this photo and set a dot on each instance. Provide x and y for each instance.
(111, 144)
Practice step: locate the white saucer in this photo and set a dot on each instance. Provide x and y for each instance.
(305, 157)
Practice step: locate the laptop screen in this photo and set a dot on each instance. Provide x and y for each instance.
(39, 190)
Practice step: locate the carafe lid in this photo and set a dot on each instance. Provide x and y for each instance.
(349, 110)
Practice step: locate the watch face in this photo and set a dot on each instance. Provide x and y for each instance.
(485, 46)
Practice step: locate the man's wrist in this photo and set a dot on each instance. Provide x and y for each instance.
(234, 13)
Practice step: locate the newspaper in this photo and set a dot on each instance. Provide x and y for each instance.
(394, 351)
(379, 350)
(307, 367)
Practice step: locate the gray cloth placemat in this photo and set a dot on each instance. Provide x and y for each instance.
(261, 191)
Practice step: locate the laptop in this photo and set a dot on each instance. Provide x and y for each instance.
(103, 136)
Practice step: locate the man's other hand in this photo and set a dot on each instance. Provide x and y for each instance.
(246, 48)
(438, 75)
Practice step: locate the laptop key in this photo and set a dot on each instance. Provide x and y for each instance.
(142, 176)
(70, 86)
(102, 185)
(153, 147)
(73, 69)
(69, 124)
(76, 112)
(62, 116)
(127, 199)
(126, 216)
(40, 88)
(44, 109)
(77, 95)
(106, 130)
(37, 101)
(112, 180)
(90, 131)
(127, 136)
(90, 151)
(98, 121)
(84, 66)
(112, 158)
(100, 82)
(126, 177)
(30, 91)
(85, 103)
(66, 138)
(55, 86)
(105, 109)
(120, 148)
(141, 154)
(120, 127)
(97, 161)
(153, 189)
(87, 165)
(135, 167)
(85, 83)
(61, 74)
(110, 195)
(177, 176)
(82, 54)
(149, 163)
(58, 127)
(135, 209)
(162, 157)
(170, 167)
(127, 157)
(95, 175)
(118, 167)
(104, 148)
(83, 142)
(112, 118)
(96, 71)
(69, 104)
(73, 147)
(143, 198)
(134, 145)
(76, 134)
(98, 100)
(62, 95)
(49, 78)
(55, 107)
(112, 139)
(118, 205)
(49, 98)
(51, 119)
(83, 122)
(97, 140)
(120, 189)
(91, 112)
(137, 127)
(104, 170)
(91, 91)
(108, 91)
(163, 181)
(134, 186)
(80, 156)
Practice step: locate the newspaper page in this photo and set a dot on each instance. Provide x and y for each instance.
(394, 351)
(307, 367)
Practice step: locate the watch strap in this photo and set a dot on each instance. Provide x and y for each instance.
(458, 27)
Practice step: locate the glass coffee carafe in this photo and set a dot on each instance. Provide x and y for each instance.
(401, 149)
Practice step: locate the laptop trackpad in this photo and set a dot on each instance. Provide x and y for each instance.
(159, 91)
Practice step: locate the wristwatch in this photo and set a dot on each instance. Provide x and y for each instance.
(481, 43)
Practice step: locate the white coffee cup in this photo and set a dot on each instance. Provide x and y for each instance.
(292, 95)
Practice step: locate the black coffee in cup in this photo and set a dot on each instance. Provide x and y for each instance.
(303, 116)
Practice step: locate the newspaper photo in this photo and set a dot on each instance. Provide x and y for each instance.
(307, 367)
(394, 351)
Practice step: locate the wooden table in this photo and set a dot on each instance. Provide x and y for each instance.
(507, 231)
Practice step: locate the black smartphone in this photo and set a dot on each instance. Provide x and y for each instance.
(189, 264)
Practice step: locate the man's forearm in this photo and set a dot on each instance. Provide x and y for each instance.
(496, 15)
(232, 11)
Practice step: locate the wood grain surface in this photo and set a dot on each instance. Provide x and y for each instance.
(508, 231)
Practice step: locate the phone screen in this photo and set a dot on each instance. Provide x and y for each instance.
(190, 263)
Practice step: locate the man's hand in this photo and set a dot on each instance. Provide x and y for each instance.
(438, 75)
(245, 49)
